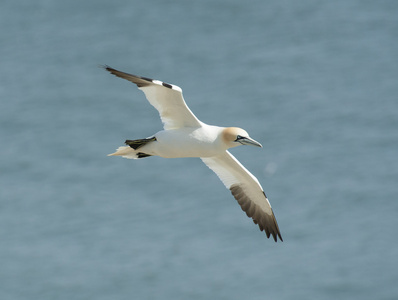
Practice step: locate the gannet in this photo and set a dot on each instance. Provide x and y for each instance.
(184, 135)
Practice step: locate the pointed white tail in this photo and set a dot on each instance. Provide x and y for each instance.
(126, 152)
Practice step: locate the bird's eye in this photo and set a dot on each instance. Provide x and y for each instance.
(238, 137)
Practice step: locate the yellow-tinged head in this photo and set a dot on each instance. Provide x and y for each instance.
(234, 136)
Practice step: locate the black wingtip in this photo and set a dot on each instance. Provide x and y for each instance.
(275, 236)
(106, 67)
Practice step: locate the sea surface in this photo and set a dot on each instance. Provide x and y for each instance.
(316, 82)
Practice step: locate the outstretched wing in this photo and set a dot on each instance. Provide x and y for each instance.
(165, 97)
(247, 191)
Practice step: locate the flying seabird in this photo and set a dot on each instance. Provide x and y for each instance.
(184, 135)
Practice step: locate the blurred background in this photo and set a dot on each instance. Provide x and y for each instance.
(314, 81)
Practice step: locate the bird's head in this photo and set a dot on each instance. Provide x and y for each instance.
(234, 136)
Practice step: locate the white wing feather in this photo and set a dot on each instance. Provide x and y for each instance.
(166, 98)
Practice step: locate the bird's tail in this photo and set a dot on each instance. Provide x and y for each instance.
(128, 152)
(132, 150)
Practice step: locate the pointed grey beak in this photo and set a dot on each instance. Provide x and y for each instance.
(248, 141)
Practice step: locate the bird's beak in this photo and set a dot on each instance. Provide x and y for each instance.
(249, 141)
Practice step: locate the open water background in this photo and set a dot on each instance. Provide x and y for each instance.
(316, 82)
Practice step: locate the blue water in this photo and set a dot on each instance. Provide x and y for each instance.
(316, 82)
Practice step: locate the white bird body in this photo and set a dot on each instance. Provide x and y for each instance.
(185, 136)
(203, 141)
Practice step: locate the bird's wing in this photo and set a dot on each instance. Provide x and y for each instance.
(165, 97)
(247, 191)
